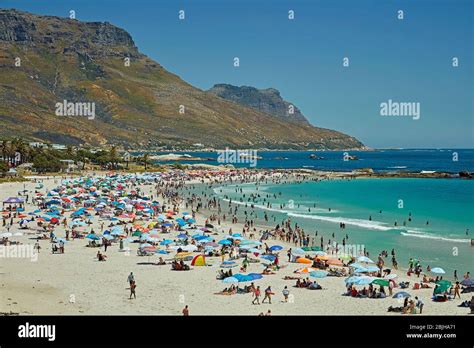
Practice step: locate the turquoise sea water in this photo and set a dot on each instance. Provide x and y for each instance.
(446, 204)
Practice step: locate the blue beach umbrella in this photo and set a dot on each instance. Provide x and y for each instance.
(401, 294)
(166, 242)
(255, 276)
(318, 274)
(356, 265)
(372, 268)
(228, 264)
(276, 248)
(361, 270)
(468, 282)
(182, 236)
(225, 242)
(268, 257)
(230, 280)
(93, 236)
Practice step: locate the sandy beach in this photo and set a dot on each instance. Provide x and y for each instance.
(77, 283)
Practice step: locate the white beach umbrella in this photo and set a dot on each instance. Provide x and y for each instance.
(364, 259)
(438, 270)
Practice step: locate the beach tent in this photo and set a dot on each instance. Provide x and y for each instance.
(199, 260)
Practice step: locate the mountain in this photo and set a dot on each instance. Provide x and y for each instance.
(47, 60)
(266, 100)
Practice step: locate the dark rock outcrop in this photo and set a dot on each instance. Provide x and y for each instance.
(266, 100)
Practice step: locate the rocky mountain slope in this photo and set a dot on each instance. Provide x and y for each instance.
(266, 100)
(47, 60)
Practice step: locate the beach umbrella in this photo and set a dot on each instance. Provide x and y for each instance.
(161, 251)
(343, 257)
(383, 282)
(372, 268)
(440, 289)
(255, 276)
(444, 282)
(189, 247)
(166, 242)
(230, 280)
(468, 282)
(297, 251)
(306, 270)
(401, 294)
(361, 270)
(182, 236)
(228, 264)
(334, 262)
(356, 265)
(225, 242)
(275, 248)
(438, 270)
(318, 274)
(303, 260)
(364, 259)
(268, 257)
(93, 236)
(359, 280)
(199, 238)
(243, 277)
(183, 255)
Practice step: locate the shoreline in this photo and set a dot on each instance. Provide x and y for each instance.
(45, 287)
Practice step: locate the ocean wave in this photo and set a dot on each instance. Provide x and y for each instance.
(418, 234)
(371, 225)
(278, 210)
(398, 167)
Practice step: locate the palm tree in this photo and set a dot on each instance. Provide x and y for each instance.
(113, 158)
(145, 159)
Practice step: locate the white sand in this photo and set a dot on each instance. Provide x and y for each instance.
(49, 285)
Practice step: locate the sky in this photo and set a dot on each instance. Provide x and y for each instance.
(407, 60)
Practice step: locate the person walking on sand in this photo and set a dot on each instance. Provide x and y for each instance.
(456, 290)
(268, 294)
(132, 290)
(185, 311)
(131, 278)
(419, 304)
(256, 295)
(286, 293)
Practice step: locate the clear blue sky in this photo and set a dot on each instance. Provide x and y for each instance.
(408, 60)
